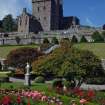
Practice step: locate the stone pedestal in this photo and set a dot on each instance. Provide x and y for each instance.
(27, 76)
(3, 64)
(27, 80)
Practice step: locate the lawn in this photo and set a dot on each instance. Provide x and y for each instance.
(97, 48)
(4, 50)
(4, 74)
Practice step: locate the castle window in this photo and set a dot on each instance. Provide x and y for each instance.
(45, 18)
(20, 22)
(26, 21)
(38, 9)
(44, 7)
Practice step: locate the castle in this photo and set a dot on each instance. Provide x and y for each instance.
(47, 15)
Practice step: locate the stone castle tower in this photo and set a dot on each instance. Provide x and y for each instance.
(49, 13)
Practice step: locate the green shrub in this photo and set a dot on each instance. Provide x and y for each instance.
(97, 37)
(74, 39)
(4, 79)
(66, 83)
(18, 39)
(83, 39)
(54, 40)
(0, 66)
(45, 46)
(39, 79)
(46, 40)
(97, 81)
(11, 74)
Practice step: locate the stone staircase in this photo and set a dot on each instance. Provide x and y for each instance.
(52, 48)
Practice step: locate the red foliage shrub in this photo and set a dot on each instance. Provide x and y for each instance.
(19, 57)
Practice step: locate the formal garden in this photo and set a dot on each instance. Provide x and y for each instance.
(56, 78)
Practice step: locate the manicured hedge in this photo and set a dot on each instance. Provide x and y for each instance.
(97, 81)
(39, 79)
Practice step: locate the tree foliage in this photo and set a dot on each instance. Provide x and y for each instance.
(19, 57)
(74, 39)
(104, 27)
(9, 24)
(18, 39)
(69, 63)
(46, 41)
(103, 34)
(83, 39)
(1, 28)
(54, 40)
(0, 66)
(97, 37)
(0, 24)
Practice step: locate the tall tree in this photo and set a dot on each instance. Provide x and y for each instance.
(1, 28)
(83, 39)
(70, 63)
(97, 37)
(0, 24)
(74, 39)
(8, 23)
(104, 27)
(103, 34)
(54, 40)
(46, 41)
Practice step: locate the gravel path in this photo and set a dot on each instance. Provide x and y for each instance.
(83, 86)
(94, 87)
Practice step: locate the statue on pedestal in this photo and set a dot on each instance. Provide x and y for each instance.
(27, 75)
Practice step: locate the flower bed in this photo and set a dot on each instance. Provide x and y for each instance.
(65, 97)
(24, 97)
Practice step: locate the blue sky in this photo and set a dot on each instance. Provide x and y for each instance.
(90, 12)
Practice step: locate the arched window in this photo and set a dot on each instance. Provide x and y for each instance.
(26, 20)
(38, 9)
(20, 22)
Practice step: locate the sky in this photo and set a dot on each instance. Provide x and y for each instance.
(90, 12)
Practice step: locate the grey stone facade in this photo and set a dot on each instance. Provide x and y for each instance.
(70, 21)
(28, 23)
(46, 15)
(47, 12)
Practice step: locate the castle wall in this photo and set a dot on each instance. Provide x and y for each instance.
(23, 23)
(46, 15)
(42, 11)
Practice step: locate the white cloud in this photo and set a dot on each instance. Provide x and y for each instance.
(13, 7)
(89, 22)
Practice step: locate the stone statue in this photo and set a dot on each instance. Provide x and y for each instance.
(27, 75)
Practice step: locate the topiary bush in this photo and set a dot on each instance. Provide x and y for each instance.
(39, 79)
